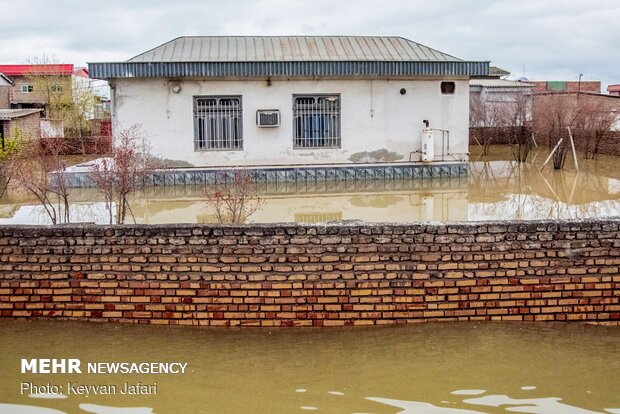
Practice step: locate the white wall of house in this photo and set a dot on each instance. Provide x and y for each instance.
(374, 117)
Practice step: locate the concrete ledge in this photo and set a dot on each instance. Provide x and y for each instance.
(79, 176)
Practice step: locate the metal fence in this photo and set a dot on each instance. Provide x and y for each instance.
(316, 121)
(217, 121)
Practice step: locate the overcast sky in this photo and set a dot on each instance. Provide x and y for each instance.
(543, 39)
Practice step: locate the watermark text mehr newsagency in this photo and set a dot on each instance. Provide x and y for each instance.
(75, 366)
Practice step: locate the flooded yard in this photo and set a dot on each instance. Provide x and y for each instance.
(446, 368)
(496, 188)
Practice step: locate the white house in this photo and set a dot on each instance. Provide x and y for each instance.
(294, 101)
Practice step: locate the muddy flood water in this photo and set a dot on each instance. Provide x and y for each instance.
(434, 368)
(495, 188)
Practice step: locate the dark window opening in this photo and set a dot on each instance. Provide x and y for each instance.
(448, 88)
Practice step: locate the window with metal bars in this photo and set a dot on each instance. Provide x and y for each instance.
(316, 121)
(217, 123)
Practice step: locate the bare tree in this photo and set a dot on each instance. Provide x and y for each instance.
(11, 151)
(51, 85)
(503, 117)
(518, 116)
(588, 117)
(78, 114)
(236, 201)
(65, 98)
(40, 172)
(125, 171)
(553, 113)
(594, 124)
(486, 120)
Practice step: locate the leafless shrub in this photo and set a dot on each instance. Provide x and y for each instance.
(487, 119)
(589, 118)
(518, 116)
(506, 118)
(40, 172)
(125, 171)
(234, 202)
(11, 151)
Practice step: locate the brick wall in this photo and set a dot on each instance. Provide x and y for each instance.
(101, 145)
(610, 144)
(571, 86)
(4, 97)
(29, 125)
(501, 136)
(296, 275)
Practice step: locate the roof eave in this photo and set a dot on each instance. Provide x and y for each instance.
(112, 70)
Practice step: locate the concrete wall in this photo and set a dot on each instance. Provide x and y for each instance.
(374, 117)
(315, 275)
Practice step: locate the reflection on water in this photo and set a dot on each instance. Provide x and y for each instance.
(417, 407)
(26, 409)
(468, 392)
(48, 396)
(550, 405)
(434, 368)
(531, 405)
(496, 188)
(102, 409)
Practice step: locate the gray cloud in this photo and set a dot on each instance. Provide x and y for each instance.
(552, 39)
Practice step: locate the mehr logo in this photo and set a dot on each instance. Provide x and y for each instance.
(72, 366)
(51, 366)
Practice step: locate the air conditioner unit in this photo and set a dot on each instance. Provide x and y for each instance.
(268, 118)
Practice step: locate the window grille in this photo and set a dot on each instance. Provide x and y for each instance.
(26, 88)
(217, 123)
(316, 121)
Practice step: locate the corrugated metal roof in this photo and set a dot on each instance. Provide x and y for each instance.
(8, 114)
(291, 49)
(496, 71)
(499, 83)
(285, 69)
(37, 69)
(291, 56)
